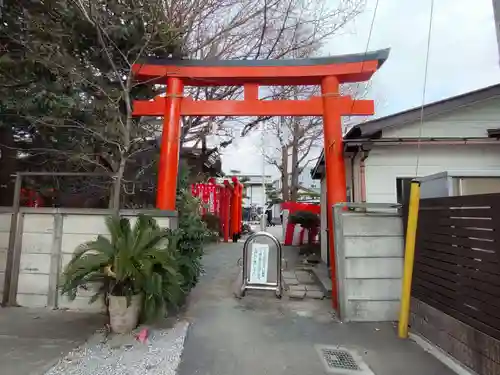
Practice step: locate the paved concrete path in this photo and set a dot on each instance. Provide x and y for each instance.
(261, 335)
(32, 340)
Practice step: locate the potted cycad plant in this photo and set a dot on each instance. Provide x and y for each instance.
(136, 269)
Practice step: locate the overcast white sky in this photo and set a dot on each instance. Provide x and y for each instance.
(463, 57)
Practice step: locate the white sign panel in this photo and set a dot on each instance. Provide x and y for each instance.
(259, 263)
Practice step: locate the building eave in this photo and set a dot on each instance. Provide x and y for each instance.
(369, 129)
(366, 143)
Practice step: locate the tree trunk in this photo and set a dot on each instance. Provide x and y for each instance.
(8, 165)
(285, 189)
(117, 185)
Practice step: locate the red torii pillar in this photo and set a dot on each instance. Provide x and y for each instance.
(169, 155)
(239, 218)
(236, 209)
(327, 72)
(227, 210)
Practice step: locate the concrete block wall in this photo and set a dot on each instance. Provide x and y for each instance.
(369, 252)
(47, 239)
(36, 233)
(5, 222)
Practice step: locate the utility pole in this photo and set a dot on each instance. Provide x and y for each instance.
(496, 14)
(264, 198)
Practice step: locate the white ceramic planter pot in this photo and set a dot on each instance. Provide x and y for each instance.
(123, 318)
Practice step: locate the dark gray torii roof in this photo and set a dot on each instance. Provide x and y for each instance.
(380, 55)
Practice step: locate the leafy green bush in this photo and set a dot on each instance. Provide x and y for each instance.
(136, 260)
(305, 219)
(212, 222)
(192, 231)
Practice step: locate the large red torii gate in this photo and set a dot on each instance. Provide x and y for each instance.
(327, 72)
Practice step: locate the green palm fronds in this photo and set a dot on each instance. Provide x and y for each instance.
(142, 258)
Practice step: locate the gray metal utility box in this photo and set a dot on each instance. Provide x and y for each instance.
(449, 183)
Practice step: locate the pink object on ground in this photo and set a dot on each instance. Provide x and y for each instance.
(142, 336)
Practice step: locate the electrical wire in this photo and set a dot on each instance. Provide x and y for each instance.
(422, 108)
(370, 32)
(367, 46)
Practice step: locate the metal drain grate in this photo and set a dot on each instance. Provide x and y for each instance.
(339, 359)
(342, 361)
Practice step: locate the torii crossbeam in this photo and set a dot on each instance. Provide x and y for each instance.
(327, 72)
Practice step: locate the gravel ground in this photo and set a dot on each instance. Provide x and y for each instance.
(124, 355)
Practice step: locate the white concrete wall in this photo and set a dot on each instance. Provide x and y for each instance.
(36, 244)
(5, 221)
(386, 163)
(369, 266)
(48, 239)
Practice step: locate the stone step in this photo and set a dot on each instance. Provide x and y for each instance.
(322, 276)
(305, 291)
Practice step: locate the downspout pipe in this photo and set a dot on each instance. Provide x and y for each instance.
(353, 190)
(362, 177)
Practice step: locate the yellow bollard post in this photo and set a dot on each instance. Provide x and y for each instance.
(411, 234)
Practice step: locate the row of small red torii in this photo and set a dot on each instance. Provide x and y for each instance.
(225, 201)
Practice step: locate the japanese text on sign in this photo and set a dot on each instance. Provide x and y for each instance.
(259, 263)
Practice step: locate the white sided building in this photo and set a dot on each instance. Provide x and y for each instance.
(458, 136)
